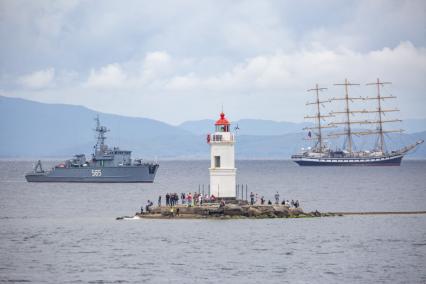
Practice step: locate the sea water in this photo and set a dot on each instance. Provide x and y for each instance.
(67, 233)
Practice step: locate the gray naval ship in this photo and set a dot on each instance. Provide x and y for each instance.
(107, 166)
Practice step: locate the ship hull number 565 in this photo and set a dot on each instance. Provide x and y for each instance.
(96, 173)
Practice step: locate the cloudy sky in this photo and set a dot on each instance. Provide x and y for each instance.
(182, 60)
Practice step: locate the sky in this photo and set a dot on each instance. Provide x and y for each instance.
(184, 60)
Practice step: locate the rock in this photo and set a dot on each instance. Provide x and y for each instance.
(166, 213)
(185, 210)
(296, 211)
(232, 210)
(267, 210)
(200, 211)
(216, 211)
(156, 210)
(281, 211)
(253, 212)
(244, 210)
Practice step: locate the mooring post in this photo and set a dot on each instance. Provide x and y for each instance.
(242, 193)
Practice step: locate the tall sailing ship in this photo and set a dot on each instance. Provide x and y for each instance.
(321, 153)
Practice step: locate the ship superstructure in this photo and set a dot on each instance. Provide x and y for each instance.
(343, 121)
(106, 165)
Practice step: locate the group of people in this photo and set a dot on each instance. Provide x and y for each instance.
(189, 199)
(172, 199)
(254, 199)
(196, 199)
(148, 206)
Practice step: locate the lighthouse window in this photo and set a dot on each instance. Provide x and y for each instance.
(217, 161)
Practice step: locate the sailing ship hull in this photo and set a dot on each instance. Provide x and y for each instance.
(124, 174)
(364, 161)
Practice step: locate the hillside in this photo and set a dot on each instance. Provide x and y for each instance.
(37, 130)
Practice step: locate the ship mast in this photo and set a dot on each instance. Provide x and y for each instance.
(348, 131)
(380, 111)
(318, 116)
(101, 130)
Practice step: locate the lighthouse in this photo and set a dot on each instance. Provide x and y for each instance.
(222, 157)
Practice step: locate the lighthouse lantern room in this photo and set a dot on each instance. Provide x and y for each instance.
(222, 157)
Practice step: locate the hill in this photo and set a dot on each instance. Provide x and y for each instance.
(37, 130)
(32, 129)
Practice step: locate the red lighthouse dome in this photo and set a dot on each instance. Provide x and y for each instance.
(222, 120)
(222, 124)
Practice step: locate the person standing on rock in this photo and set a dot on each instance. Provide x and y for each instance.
(277, 198)
(159, 201)
(148, 206)
(251, 198)
(189, 196)
(167, 199)
(172, 199)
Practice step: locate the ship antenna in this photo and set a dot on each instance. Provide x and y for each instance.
(101, 130)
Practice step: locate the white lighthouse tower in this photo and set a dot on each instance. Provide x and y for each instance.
(222, 167)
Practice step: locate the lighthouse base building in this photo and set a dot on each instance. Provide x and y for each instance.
(222, 168)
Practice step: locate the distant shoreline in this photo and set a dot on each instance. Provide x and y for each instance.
(53, 159)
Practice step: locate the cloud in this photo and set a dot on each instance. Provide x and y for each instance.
(147, 60)
(39, 79)
(159, 83)
(74, 35)
(110, 76)
(297, 69)
(155, 65)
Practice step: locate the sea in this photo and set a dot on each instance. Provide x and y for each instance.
(68, 233)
